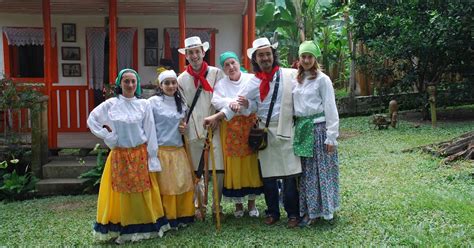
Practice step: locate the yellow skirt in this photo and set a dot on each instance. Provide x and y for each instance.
(177, 190)
(242, 176)
(128, 216)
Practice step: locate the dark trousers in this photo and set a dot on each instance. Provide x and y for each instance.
(290, 197)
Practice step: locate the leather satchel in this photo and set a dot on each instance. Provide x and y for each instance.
(258, 137)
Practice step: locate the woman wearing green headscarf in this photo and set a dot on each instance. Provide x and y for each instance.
(316, 130)
(129, 206)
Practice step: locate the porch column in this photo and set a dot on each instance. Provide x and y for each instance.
(182, 32)
(251, 20)
(48, 81)
(245, 41)
(112, 41)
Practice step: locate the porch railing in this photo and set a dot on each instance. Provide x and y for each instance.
(71, 107)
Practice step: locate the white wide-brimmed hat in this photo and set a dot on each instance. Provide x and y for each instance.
(166, 74)
(192, 42)
(259, 44)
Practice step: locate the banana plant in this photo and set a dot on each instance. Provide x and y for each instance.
(299, 20)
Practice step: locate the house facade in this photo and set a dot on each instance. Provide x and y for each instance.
(90, 41)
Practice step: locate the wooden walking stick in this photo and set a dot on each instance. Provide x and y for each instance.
(201, 208)
(214, 181)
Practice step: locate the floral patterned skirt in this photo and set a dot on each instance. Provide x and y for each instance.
(242, 176)
(319, 182)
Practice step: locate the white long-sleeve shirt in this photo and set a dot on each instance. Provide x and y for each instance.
(252, 92)
(316, 96)
(167, 119)
(132, 124)
(226, 91)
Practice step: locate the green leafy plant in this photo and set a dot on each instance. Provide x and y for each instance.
(298, 20)
(94, 175)
(15, 186)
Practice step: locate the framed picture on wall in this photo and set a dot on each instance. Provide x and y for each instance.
(71, 53)
(151, 56)
(151, 37)
(71, 70)
(69, 32)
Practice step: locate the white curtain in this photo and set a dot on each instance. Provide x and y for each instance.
(204, 34)
(95, 63)
(125, 47)
(27, 36)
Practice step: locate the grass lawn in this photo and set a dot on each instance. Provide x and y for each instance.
(388, 198)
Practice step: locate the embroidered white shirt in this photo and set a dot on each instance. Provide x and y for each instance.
(132, 124)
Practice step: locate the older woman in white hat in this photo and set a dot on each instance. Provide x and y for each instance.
(175, 178)
(199, 75)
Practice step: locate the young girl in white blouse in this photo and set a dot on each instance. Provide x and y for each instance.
(175, 178)
(129, 207)
(316, 130)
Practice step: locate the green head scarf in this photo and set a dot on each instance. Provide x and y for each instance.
(309, 47)
(138, 92)
(227, 55)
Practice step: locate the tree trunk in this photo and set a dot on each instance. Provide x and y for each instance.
(352, 80)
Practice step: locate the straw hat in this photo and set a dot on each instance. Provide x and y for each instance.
(192, 42)
(259, 44)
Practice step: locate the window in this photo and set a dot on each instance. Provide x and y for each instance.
(23, 54)
(26, 61)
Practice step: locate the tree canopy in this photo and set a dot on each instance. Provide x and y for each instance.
(414, 42)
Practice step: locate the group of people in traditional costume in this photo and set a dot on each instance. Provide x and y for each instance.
(151, 181)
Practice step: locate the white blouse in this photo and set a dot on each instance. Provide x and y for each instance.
(252, 92)
(132, 124)
(167, 119)
(225, 92)
(316, 96)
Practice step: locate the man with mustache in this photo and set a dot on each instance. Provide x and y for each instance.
(199, 74)
(277, 161)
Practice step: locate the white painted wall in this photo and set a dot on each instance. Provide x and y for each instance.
(227, 38)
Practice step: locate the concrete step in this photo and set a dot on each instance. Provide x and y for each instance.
(69, 167)
(60, 186)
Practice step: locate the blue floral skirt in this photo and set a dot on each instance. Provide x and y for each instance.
(319, 182)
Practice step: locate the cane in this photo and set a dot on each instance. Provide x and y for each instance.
(195, 179)
(214, 181)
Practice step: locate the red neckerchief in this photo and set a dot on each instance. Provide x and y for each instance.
(266, 79)
(200, 77)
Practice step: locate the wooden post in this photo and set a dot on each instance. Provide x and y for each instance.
(39, 137)
(112, 41)
(245, 41)
(48, 81)
(251, 12)
(182, 32)
(432, 100)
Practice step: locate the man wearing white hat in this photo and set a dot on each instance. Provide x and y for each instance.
(199, 74)
(278, 160)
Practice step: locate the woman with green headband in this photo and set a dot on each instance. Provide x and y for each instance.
(242, 177)
(129, 206)
(316, 130)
